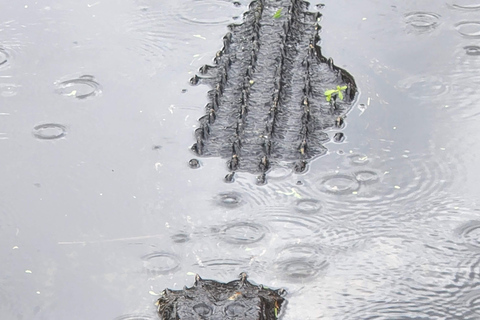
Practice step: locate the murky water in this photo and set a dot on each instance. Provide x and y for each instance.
(99, 210)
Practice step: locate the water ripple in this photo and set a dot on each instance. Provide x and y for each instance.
(338, 184)
(4, 57)
(472, 50)
(423, 87)
(470, 233)
(49, 131)
(469, 29)
(79, 88)
(9, 89)
(243, 232)
(157, 263)
(300, 262)
(421, 22)
(470, 5)
(207, 12)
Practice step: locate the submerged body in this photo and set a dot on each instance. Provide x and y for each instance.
(267, 105)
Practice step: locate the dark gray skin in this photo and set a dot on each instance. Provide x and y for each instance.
(209, 299)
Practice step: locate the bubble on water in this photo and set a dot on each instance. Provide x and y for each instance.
(180, 238)
(4, 57)
(194, 163)
(470, 5)
(229, 199)
(49, 131)
(472, 50)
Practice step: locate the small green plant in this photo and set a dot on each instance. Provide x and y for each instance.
(338, 92)
(278, 14)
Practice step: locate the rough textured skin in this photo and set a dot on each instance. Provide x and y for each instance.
(209, 299)
(267, 105)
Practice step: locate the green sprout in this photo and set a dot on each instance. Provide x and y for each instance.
(278, 14)
(338, 92)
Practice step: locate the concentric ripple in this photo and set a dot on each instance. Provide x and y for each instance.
(80, 88)
(4, 57)
(470, 232)
(472, 302)
(358, 159)
(207, 12)
(423, 87)
(287, 223)
(229, 199)
(243, 232)
(308, 206)
(339, 184)
(180, 237)
(279, 173)
(157, 263)
(366, 176)
(299, 262)
(49, 131)
(422, 22)
(465, 5)
(469, 29)
(472, 50)
(8, 89)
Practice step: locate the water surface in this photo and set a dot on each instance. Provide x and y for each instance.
(99, 210)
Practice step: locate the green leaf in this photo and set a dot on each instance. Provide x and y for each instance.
(343, 88)
(329, 92)
(340, 95)
(278, 14)
(329, 97)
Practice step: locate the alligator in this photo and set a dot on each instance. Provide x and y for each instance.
(209, 299)
(268, 103)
